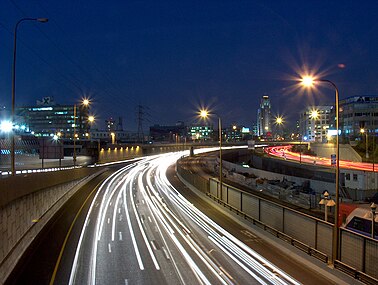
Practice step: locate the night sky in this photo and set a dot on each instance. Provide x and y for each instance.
(174, 56)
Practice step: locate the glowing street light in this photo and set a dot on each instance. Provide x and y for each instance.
(279, 120)
(85, 102)
(362, 131)
(205, 114)
(309, 81)
(6, 126)
(314, 114)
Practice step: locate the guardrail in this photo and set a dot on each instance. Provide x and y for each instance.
(357, 253)
(294, 242)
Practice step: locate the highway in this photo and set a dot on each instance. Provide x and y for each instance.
(286, 153)
(140, 230)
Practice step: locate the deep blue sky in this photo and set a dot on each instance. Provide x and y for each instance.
(173, 56)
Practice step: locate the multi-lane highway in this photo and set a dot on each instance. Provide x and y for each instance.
(140, 230)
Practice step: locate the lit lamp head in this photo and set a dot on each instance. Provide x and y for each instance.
(279, 120)
(314, 114)
(86, 102)
(204, 113)
(91, 119)
(362, 130)
(308, 81)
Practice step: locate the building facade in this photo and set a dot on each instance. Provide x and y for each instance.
(358, 112)
(47, 119)
(264, 118)
(315, 123)
(201, 132)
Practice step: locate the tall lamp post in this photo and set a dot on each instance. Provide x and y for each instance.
(41, 20)
(85, 103)
(204, 114)
(363, 131)
(309, 81)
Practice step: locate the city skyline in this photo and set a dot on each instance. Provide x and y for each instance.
(177, 57)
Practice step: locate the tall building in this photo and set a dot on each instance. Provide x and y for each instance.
(358, 112)
(314, 123)
(264, 118)
(47, 118)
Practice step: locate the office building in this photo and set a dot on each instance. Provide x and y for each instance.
(358, 112)
(264, 118)
(315, 123)
(47, 118)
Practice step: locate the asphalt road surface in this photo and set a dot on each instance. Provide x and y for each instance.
(132, 226)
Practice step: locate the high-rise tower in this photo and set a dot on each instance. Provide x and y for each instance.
(264, 117)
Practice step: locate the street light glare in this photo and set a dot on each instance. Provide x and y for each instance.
(314, 114)
(6, 126)
(86, 102)
(204, 113)
(91, 119)
(307, 81)
(279, 120)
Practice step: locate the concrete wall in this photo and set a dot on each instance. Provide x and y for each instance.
(14, 187)
(25, 209)
(325, 150)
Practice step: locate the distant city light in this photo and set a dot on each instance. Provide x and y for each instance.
(245, 130)
(6, 126)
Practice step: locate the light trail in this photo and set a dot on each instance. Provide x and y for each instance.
(191, 232)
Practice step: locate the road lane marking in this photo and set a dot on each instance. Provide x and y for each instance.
(109, 247)
(136, 250)
(108, 220)
(52, 280)
(149, 219)
(153, 244)
(120, 235)
(166, 252)
(120, 218)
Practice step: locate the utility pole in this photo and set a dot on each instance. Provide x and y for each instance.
(140, 119)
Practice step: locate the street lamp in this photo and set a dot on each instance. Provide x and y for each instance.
(85, 102)
(279, 122)
(366, 141)
(205, 114)
(327, 202)
(373, 208)
(13, 150)
(309, 81)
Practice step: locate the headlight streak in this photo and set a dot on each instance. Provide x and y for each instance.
(79, 245)
(197, 216)
(159, 209)
(237, 261)
(140, 185)
(145, 167)
(136, 250)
